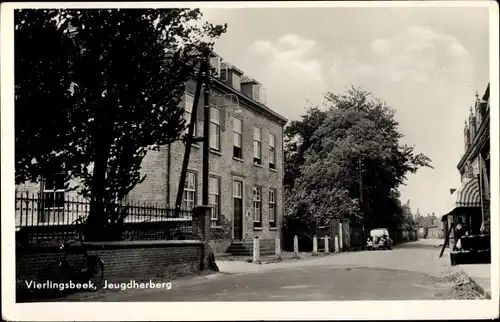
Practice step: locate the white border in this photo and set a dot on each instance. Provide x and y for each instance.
(236, 310)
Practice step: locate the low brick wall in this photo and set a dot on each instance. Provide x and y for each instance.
(123, 260)
(220, 245)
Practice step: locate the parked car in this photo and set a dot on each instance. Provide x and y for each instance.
(379, 239)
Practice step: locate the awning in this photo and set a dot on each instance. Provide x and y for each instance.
(467, 196)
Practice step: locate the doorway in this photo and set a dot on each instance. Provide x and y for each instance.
(237, 210)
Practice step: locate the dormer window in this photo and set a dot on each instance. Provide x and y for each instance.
(258, 94)
(236, 81)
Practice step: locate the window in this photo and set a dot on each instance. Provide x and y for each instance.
(52, 196)
(272, 208)
(189, 195)
(215, 129)
(188, 111)
(257, 206)
(214, 194)
(237, 138)
(236, 82)
(272, 151)
(257, 145)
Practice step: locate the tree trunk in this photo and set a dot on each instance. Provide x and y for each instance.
(97, 222)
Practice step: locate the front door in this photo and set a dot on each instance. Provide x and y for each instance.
(238, 210)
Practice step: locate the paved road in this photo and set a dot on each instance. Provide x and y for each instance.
(407, 272)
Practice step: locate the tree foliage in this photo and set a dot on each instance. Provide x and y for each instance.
(331, 154)
(101, 88)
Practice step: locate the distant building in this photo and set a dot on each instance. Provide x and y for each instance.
(427, 227)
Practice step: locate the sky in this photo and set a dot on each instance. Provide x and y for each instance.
(426, 63)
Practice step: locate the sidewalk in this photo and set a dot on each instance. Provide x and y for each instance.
(244, 264)
(480, 275)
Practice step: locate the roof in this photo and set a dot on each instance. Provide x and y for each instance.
(228, 65)
(426, 222)
(256, 105)
(249, 80)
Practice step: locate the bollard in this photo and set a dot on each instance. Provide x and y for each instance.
(277, 248)
(315, 246)
(336, 244)
(256, 250)
(327, 244)
(341, 240)
(296, 247)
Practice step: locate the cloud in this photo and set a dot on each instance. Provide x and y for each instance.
(421, 55)
(291, 67)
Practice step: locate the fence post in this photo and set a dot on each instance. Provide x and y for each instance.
(327, 244)
(277, 248)
(315, 246)
(256, 250)
(201, 223)
(296, 247)
(336, 244)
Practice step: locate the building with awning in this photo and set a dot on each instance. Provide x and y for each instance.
(465, 203)
(467, 196)
(467, 218)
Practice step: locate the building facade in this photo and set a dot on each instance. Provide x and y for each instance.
(246, 162)
(475, 163)
(245, 170)
(470, 203)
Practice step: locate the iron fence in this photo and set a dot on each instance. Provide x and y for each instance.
(41, 218)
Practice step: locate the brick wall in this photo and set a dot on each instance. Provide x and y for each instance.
(139, 260)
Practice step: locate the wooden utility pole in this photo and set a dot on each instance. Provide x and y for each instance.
(206, 131)
(189, 137)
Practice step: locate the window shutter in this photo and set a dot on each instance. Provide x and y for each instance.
(222, 119)
(262, 95)
(256, 92)
(199, 115)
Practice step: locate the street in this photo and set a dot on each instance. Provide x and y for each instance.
(410, 271)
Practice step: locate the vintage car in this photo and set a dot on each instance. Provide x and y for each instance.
(379, 239)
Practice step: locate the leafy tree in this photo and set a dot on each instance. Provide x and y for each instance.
(43, 103)
(355, 131)
(116, 96)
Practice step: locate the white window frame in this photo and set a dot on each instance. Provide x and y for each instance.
(235, 195)
(188, 112)
(53, 193)
(215, 131)
(272, 207)
(272, 151)
(236, 81)
(190, 191)
(238, 136)
(257, 145)
(257, 204)
(215, 199)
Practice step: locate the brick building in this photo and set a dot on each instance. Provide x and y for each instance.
(470, 203)
(246, 163)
